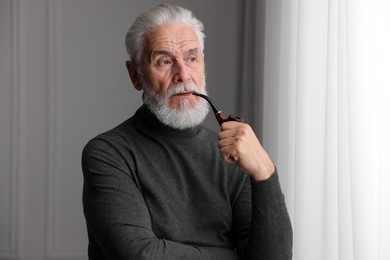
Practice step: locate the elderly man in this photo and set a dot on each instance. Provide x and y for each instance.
(160, 185)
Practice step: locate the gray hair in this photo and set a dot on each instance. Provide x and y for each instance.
(159, 15)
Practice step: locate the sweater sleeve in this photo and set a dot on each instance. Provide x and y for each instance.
(118, 222)
(262, 224)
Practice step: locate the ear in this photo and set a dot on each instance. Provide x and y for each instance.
(132, 69)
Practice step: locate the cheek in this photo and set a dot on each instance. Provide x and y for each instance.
(202, 73)
(158, 83)
(201, 81)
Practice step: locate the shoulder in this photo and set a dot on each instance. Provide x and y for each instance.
(112, 139)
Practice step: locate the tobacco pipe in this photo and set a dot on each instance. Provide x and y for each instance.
(218, 113)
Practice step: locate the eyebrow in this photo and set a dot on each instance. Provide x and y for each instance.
(165, 52)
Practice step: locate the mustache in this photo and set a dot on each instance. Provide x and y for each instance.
(152, 95)
(180, 88)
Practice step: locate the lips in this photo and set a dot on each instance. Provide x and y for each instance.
(182, 94)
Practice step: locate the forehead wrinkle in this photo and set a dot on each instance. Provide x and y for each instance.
(173, 50)
(171, 41)
(163, 51)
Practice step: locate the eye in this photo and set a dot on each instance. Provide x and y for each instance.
(191, 59)
(164, 62)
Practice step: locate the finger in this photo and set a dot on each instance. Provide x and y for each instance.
(224, 142)
(231, 133)
(230, 125)
(234, 129)
(229, 155)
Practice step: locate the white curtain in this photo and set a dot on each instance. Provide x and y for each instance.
(321, 72)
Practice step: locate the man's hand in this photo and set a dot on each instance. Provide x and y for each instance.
(238, 143)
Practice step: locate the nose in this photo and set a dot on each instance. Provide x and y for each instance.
(181, 74)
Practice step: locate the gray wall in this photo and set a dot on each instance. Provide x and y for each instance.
(63, 80)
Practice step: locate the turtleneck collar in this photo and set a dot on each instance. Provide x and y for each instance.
(147, 122)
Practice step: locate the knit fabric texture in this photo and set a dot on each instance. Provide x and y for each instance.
(154, 192)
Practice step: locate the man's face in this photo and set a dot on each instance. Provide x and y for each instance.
(172, 57)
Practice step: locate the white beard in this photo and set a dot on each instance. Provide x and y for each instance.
(179, 118)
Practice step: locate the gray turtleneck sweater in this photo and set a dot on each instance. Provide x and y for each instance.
(153, 192)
